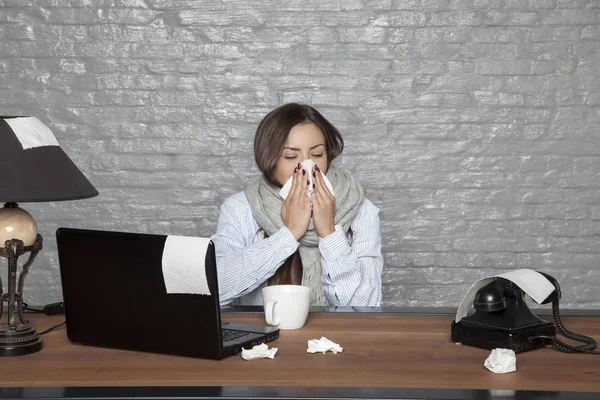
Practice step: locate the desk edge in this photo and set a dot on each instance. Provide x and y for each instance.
(279, 392)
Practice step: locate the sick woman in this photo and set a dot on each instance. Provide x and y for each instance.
(304, 221)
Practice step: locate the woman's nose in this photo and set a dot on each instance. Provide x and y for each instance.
(305, 156)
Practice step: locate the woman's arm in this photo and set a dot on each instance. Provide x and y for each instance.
(352, 274)
(242, 266)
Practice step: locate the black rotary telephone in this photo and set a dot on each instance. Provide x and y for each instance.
(503, 320)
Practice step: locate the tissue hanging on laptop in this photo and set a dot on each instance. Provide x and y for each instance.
(308, 167)
(183, 265)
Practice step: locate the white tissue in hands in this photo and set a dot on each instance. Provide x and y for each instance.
(323, 345)
(501, 361)
(308, 167)
(259, 351)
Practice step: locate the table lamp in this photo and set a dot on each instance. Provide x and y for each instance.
(34, 169)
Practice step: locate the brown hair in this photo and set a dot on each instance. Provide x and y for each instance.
(273, 131)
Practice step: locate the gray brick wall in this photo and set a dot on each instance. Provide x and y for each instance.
(473, 124)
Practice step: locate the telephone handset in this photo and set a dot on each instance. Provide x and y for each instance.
(503, 320)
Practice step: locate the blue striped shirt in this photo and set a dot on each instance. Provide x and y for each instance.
(351, 273)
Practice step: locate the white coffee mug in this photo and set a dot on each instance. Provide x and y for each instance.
(286, 306)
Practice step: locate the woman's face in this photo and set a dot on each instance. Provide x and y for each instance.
(304, 141)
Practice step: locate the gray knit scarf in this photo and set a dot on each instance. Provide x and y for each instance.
(266, 204)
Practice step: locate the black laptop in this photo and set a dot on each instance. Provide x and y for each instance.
(115, 296)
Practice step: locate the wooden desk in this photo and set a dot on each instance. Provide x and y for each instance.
(380, 351)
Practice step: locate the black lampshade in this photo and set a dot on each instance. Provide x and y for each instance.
(34, 168)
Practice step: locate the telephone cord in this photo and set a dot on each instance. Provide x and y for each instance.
(590, 343)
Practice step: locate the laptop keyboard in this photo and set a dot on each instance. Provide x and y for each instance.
(230, 334)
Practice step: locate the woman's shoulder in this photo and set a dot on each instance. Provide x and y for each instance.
(236, 216)
(367, 210)
(237, 203)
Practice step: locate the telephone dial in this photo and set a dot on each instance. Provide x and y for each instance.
(503, 320)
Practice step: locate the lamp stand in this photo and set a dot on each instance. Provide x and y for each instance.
(17, 338)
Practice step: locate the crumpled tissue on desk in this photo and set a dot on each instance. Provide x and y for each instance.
(323, 345)
(259, 351)
(501, 361)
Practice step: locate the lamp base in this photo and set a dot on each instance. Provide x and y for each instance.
(20, 341)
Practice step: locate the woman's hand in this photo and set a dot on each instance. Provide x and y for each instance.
(323, 204)
(295, 209)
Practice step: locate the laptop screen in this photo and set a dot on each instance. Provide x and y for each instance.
(115, 295)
